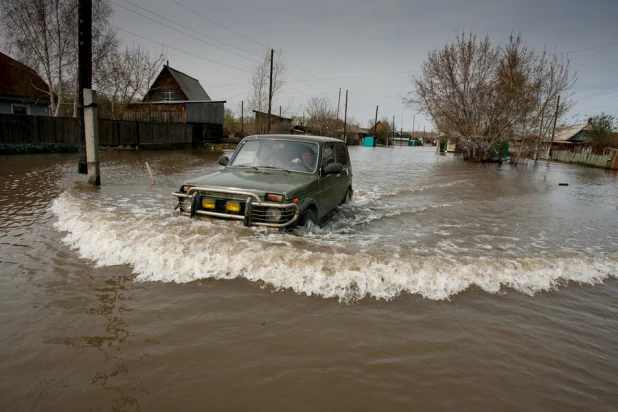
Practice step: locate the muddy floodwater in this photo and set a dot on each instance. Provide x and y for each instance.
(443, 285)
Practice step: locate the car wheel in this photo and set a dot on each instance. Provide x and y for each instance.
(308, 219)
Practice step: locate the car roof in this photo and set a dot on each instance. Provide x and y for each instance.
(294, 137)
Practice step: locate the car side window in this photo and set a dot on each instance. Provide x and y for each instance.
(341, 155)
(328, 155)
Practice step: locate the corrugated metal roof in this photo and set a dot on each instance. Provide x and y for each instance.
(565, 134)
(190, 86)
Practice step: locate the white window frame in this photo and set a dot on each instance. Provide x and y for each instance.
(14, 105)
(167, 95)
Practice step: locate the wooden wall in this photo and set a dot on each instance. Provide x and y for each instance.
(42, 130)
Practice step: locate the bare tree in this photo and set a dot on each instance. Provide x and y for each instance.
(321, 116)
(260, 82)
(43, 35)
(488, 95)
(126, 76)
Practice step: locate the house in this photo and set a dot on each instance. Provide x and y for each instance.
(278, 124)
(571, 139)
(22, 91)
(176, 97)
(354, 134)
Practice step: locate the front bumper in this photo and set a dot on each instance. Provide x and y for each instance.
(253, 211)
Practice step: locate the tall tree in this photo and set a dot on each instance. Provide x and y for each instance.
(126, 76)
(260, 82)
(321, 116)
(600, 129)
(43, 35)
(490, 94)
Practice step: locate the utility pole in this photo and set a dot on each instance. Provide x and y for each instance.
(270, 88)
(553, 131)
(345, 118)
(84, 74)
(279, 112)
(242, 117)
(540, 138)
(401, 126)
(393, 131)
(413, 119)
(338, 103)
(375, 129)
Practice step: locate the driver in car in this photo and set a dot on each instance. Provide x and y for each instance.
(306, 161)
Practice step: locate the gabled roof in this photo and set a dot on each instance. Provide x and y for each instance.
(565, 135)
(19, 80)
(190, 87)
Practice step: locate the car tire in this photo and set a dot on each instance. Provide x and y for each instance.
(308, 219)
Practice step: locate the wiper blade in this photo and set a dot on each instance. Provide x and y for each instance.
(273, 168)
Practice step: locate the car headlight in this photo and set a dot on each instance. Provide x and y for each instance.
(208, 203)
(273, 214)
(185, 204)
(233, 207)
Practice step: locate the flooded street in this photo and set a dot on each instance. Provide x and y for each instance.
(442, 285)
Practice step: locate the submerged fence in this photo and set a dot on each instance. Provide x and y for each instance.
(45, 132)
(604, 161)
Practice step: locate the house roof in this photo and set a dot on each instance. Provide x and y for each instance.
(190, 86)
(352, 129)
(272, 115)
(171, 102)
(566, 134)
(19, 80)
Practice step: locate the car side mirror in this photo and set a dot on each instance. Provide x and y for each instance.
(223, 160)
(333, 168)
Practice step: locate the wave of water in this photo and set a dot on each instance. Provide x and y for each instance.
(339, 261)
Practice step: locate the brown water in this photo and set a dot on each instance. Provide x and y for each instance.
(442, 286)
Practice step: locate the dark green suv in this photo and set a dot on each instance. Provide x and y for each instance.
(278, 181)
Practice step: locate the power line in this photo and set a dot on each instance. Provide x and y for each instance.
(239, 94)
(180, 31)
(182, 51)
(218, 24)
(589, 48)
(190, 29)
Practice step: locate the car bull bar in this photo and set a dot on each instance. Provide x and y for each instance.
(255, 210)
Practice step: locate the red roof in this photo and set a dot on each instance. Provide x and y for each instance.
(19, 80)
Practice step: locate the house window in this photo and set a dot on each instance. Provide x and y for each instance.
(167, 95)
(20, 109)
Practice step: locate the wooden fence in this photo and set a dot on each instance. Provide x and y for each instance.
(604, 161)
(20, 130)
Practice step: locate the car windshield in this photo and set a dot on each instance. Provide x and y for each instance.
(277, 154)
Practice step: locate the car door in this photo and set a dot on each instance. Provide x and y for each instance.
(343, 181)
(330, 182)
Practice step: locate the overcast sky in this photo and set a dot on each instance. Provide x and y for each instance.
(368, 47)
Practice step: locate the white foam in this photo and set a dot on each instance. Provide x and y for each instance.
(163, 248)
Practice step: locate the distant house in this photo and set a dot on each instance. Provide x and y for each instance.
(175, 97)
(354, 135)
(22, 91)
(278, 124)
(571, 139)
